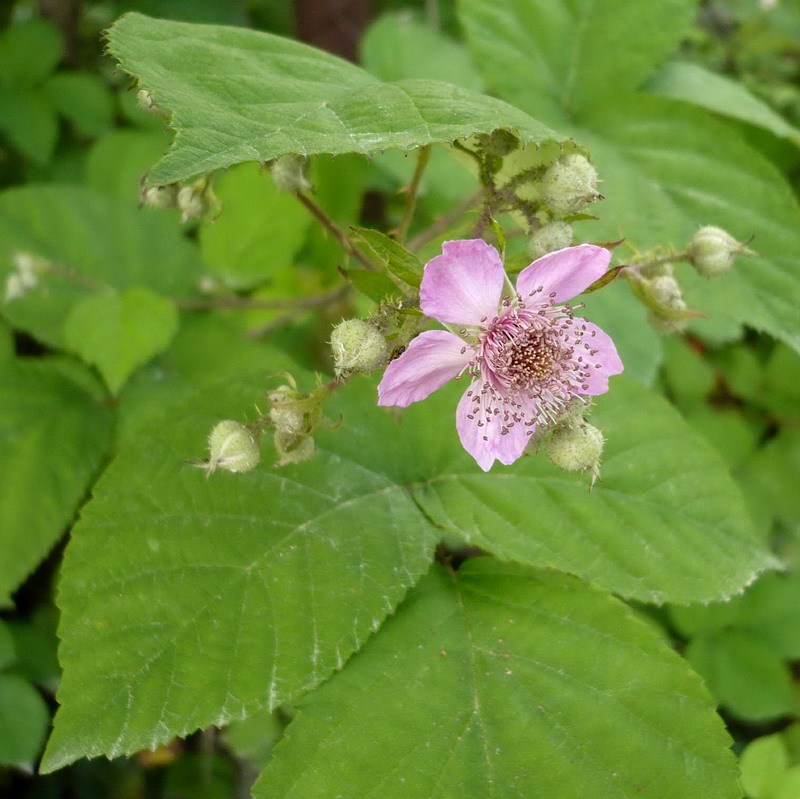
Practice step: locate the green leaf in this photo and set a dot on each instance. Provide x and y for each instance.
(29, 122)
(694, 84)
(24, 719)
(771, 610)
(35, 643)
(7, 652)
(119, 332)
(559, 56)
(240, 95)
(187, 602)
(29, 52)
(245, 591)
(101, 238)
(84, 99)
(781, 389)
(664, 522)
(789, 785)
(489, 685)
(118, 161)
(55, 439)
(746, 675)
(372, 284)
(253, 738)
(667, 167)
(397, 46)
(670, 168)
(393, 257)
(763, 763)
(259, 231)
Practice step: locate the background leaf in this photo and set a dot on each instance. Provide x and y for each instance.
(490, 685)
(55, 438)
(24, 719)
(238, 95)
(118, 332)
(84, 99)
(29, 52)
(99, 237)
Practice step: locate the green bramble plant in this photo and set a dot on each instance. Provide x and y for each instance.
(427, 495)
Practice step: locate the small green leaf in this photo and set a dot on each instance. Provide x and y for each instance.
(763, 764)
(239, 95)
(746, 675)
(29, 52)
(789, 785)
(506, 682)
(29, 121)
(372, 284)
(24, 719)
(56, 437)
(253, 738)
(259, 231)
(118, 332)
(394, 258)
(771, 610)
(84, 99)
(692, 83)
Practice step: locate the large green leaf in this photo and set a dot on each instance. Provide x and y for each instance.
(188, 602)
(500, 681)
(564, 55)
(119, 331)
(667, 167)
(665, 520)
(239, 95)
(692, 83)
(92, 239)
(54, 439)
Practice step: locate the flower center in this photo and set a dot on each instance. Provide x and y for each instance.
(531, 357)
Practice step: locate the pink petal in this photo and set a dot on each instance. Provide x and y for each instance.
(486, 443)
(564, 273)
(463, 285)
(432, 358)
(601, 355)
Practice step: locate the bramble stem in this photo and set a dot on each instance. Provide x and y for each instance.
(337, 232)
(302, 304)
(413, 190)
(250, 303)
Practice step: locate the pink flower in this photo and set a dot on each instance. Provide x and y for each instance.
(528, 355)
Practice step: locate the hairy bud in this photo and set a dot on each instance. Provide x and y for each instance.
(357, 347)
(549, 238)
(145, 101)
(289, 173)
(286, 412)
(160, 197)
(569, 185)
(576, 447)
(232, 447)
(712, 251)
(667, 292)
(293, 449)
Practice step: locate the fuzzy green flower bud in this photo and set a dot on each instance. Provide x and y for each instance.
(192, 203)
(357, 347)
(293, 449)
(289, 173)
(145, 101)
(549, 238)
(667, 291)
(576, 447)
(286, 413)
(569, 185)
(232, 447)
(712, 251)
(160, 197)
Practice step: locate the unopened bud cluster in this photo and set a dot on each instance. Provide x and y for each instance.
(553, 236)
(194, 201)
(574, 444)
(358, 347)
(292, 415)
